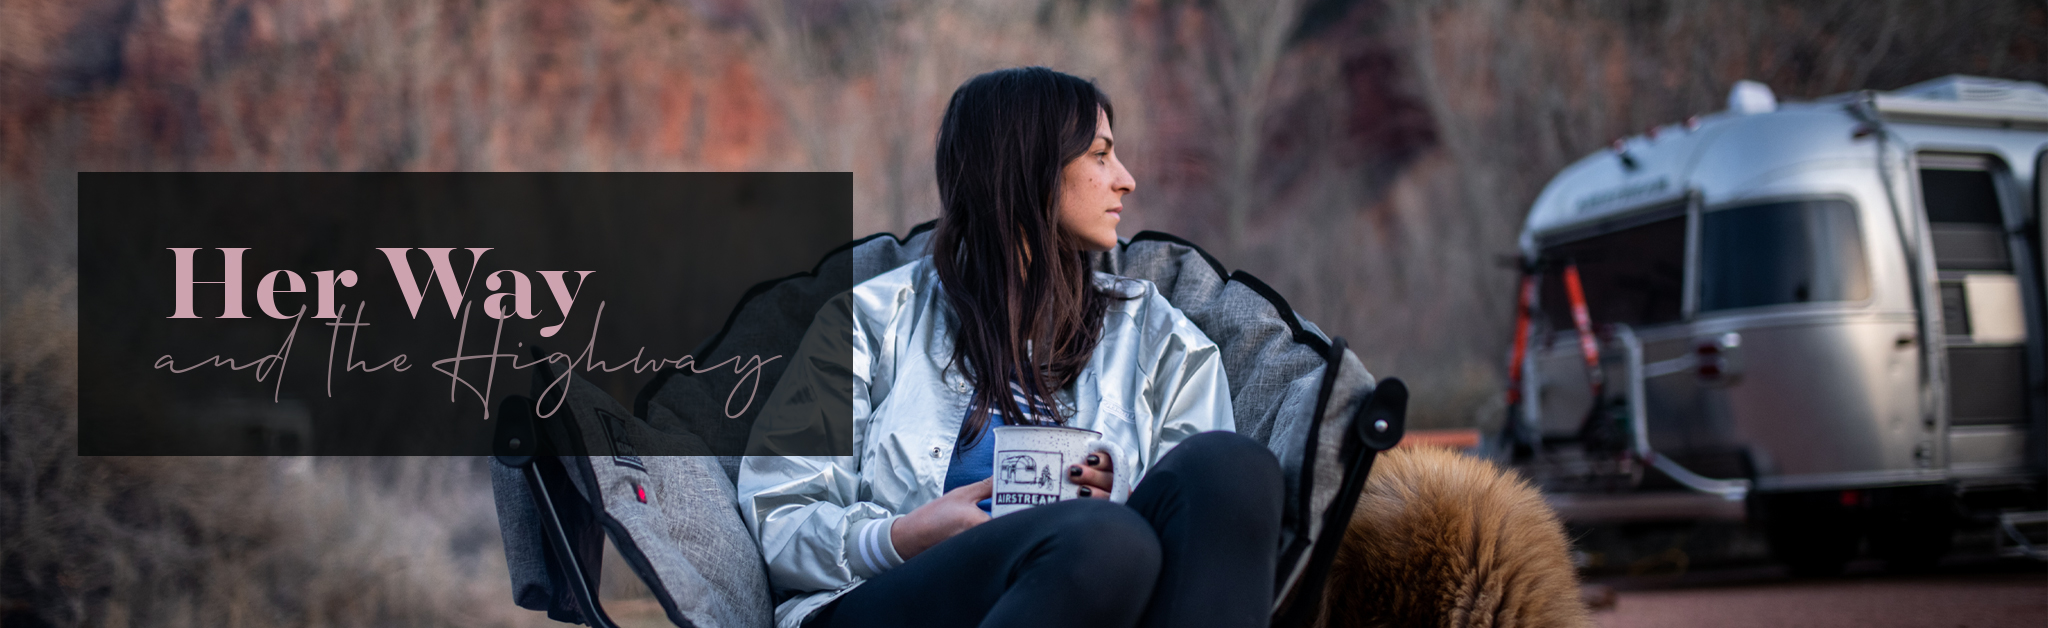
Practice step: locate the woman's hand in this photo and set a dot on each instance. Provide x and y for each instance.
(940, 519)
(1095, 475)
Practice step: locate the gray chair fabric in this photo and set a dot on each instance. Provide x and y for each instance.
(1281, 387)
(674, 518)
(525, 551)
(692, 548)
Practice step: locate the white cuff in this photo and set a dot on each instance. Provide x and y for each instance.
(873, 552)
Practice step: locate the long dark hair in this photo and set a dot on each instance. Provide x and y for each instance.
(1022, 294)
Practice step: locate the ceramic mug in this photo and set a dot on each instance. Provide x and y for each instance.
(1031, 464)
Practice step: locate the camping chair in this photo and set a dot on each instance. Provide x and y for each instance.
(564, 484)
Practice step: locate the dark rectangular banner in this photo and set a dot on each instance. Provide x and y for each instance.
(457, 314)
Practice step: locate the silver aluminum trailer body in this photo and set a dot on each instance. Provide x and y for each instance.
(1831, 304)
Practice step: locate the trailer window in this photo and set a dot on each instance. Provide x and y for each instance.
(1962, 210)
(1634, 276)
(1783, 252)
(1960, 196)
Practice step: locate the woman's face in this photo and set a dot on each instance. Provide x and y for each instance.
(1092, 189)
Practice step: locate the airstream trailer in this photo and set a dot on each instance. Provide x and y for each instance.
(1824, 318)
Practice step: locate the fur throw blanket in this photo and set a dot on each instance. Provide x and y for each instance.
(1444, 539)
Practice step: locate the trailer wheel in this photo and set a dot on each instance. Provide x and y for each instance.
(1810, 533)
(1811, 550)
(1914, 528)
(1911, 550)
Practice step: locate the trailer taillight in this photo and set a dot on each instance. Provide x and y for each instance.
(1713, 355)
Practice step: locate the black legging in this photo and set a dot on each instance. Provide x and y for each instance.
(1195, 547)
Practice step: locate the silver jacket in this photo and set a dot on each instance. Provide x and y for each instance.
(822, 522)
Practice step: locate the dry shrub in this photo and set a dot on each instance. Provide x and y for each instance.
(192, 541)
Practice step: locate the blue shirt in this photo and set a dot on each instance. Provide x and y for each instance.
(976, 463)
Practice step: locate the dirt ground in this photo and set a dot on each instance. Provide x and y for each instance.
(1969, 590)
(1972, 592)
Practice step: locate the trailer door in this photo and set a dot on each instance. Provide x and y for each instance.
(1983, 316)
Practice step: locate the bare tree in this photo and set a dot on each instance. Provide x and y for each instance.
(1254, 36)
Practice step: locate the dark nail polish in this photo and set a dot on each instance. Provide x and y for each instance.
(1085, 492)
(1094, 460)
(1073, 472)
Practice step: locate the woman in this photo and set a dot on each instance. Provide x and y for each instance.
(1005, 322)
